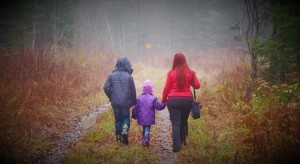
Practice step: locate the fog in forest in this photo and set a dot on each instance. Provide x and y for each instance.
(56, 56)
(157, 26)
(135, 27)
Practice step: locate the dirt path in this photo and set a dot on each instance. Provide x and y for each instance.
(65, 142)
(164, 138)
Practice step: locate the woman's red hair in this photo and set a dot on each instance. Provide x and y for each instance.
(180, 65)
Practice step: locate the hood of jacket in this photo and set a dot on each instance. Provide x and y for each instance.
(123, 64)
(148, 87)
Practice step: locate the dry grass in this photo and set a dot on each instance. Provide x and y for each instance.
(99, 145)
(41, 93)
(246, 121)
(207, 65)
(234, 124)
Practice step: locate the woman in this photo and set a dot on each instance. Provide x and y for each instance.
(179, 98)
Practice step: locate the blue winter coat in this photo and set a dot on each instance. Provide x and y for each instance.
(144, 109)
(119, 86)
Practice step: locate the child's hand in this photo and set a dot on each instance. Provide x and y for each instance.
(165, 104)
(133, 117)
(159, 106)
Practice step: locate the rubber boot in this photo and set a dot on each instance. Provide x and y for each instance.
(125, 134)
(119, 138)
(146, 141)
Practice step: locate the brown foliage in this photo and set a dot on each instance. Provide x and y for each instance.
(265, 122)
(39, 95)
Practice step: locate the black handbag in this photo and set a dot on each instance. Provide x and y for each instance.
(196, 106)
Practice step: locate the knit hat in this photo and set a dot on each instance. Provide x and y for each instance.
(148, 86)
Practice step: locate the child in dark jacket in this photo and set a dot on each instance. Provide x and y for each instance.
(120, 89)
(144, 110)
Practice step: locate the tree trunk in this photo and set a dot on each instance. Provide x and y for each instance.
(254, 65)
(112, 41)
(33, 37)
(123, 38)
(298, 51)
(253, 31)
(54, 23)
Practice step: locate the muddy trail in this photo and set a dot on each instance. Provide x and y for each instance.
(66, 141)
(164, 138)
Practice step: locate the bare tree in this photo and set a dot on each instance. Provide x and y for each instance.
(255, 25)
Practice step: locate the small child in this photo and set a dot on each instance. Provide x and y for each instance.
(144, 110)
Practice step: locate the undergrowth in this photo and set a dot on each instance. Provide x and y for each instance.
(246, 120)
(40, 94)
(243, 120)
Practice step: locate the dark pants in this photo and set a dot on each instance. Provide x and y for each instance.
(179, 110)
(122, 117)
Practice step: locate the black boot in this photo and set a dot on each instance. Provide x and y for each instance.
(119, 138)
(183, 141)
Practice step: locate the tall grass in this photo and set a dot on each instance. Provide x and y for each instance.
(40, 93)
(246, 120)
(207, 64)
(243, 120)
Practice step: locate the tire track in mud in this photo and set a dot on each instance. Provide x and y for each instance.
(66, 141)
(164, 148)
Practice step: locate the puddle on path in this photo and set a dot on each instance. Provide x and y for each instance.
(66, 141)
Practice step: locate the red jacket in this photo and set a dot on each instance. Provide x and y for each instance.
(172, 88)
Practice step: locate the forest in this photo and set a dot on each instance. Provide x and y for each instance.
(56, 55)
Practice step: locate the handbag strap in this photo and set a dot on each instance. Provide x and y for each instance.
(193, 87)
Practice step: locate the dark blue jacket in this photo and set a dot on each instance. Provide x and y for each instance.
(119, 86)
